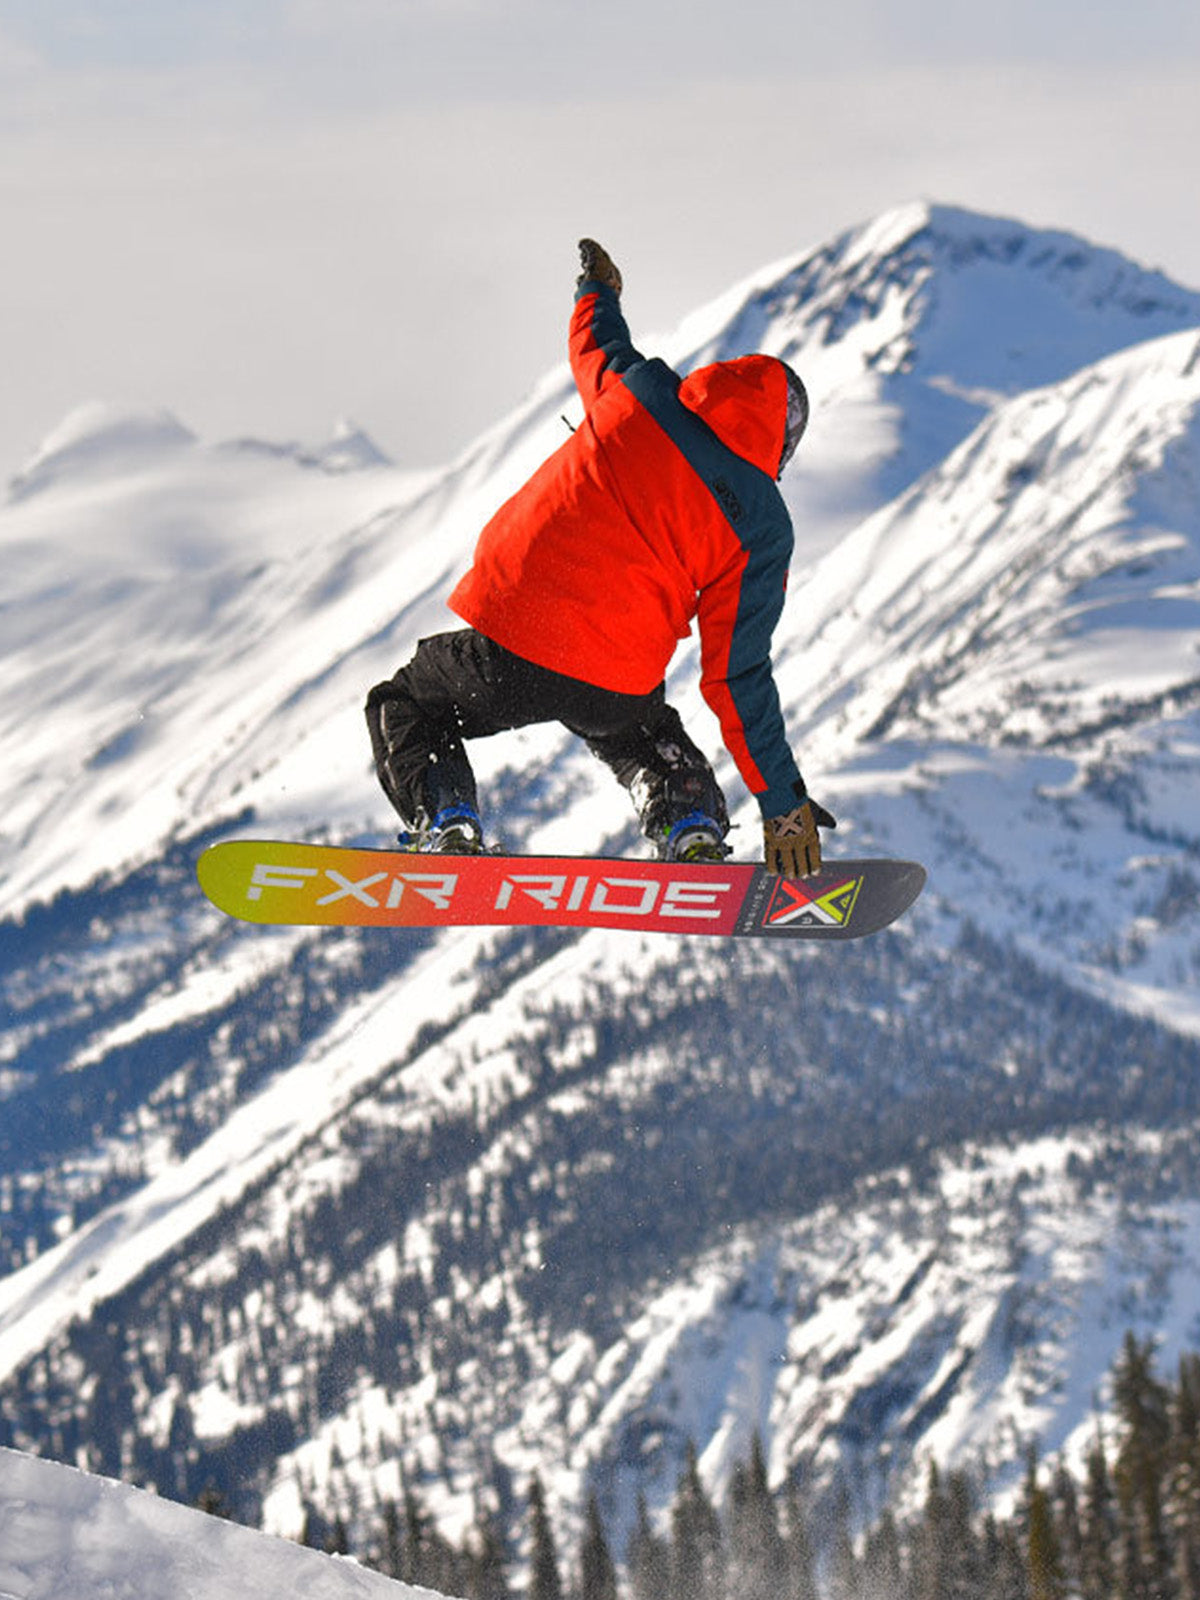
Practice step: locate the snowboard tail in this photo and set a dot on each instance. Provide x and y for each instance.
(277, 882)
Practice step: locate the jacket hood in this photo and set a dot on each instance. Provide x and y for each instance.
(745, 403)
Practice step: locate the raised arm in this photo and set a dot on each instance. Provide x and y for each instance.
(600, 344)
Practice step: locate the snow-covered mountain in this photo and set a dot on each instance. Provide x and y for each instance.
(333, 1213)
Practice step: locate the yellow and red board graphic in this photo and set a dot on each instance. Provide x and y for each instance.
(279, 882)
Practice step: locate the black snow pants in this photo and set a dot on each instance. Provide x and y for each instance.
(462, 686)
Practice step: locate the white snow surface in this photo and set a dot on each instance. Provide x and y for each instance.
(102, 1256)
(65, 1535)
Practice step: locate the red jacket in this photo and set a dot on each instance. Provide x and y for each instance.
(660, 508)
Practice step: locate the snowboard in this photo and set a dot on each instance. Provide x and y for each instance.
(273, 881)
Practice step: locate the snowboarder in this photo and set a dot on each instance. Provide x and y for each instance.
(661, 507)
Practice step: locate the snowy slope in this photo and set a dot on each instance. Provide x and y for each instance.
(170, 610)
(65, 1534)
(964, 1323)
(1018, 639)
(989, 661)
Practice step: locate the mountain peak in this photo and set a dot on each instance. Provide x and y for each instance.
(98, 438)
(888, 232)
(349, 449)
(1023, 305)
(1026, 305)
(909, 329)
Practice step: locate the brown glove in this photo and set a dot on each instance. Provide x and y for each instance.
(597, 265)
(791, 843)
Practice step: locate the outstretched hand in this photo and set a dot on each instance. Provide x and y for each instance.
(598, 265)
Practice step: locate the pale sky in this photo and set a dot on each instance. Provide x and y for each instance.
(265, 215)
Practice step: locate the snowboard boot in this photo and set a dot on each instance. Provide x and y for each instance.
(454, 831)
(696, 837)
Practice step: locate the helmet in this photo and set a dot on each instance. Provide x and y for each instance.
(797, 417)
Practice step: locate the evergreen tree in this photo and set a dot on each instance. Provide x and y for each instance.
(1097, 1556)
(110, 1415)
(843, 1567)
(598, 1575)
(314, 1530)
(544, 1580)
(488, 1567)
(1002, 1562)
(391, 1556)
(1142, 1405)
(1183, 1507)
(1046, 1580)
(337, 1540)
(883, 1559)
(962, 1555)
(648, 1559)
(800, 1582)
(930, 1578)
(757, 1556)
(1068, 1526)
(213, 1503)
(414, 1543)
(696, 1550)
(181, 1440)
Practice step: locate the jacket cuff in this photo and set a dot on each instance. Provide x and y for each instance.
(783, 798)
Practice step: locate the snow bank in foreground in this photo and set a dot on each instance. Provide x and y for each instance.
(65, 1534)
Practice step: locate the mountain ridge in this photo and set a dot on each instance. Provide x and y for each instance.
(409, 1191)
